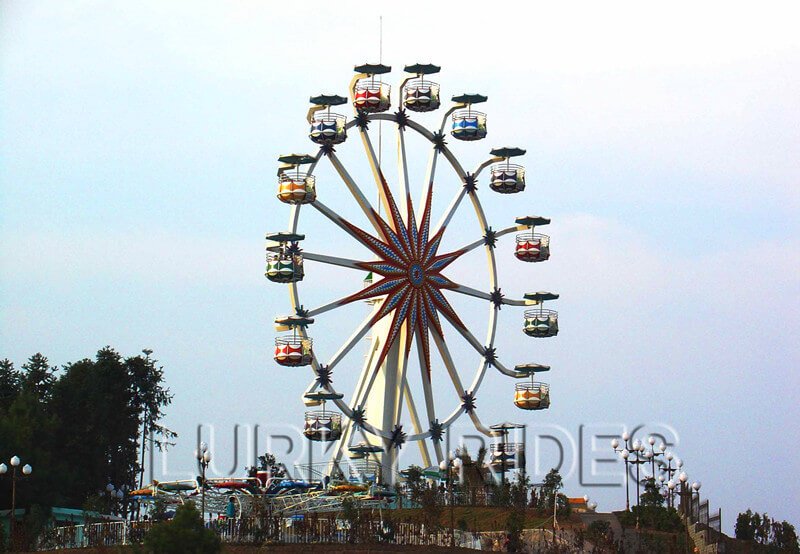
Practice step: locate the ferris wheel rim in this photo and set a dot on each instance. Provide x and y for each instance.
(493, 315)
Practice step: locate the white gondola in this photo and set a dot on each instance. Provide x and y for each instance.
(506, 455)
(532, 396)
(284, 267)
(328, 128)
(284, 258)
(507, 178)
(541, 323)
(372, 96)
(322, 426)
(469, 124)
(293, 350)
(420, 95)
(295, 186)
(532, 247)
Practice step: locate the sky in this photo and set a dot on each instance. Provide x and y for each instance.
(138, 151)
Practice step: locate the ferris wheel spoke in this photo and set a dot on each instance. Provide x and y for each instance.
(402, 168)
(333, 260)
(497, 234)
(476, 421)
(427, 190)
(444, 352)
(451, 210)
(357, 335)
(404, 346)
(380, 182)
(313, 165)
(327, 307)
(505, 371)
(425, 371)
(355, 400)
(359, 197)
(469, 291)
(415, 423)
(464, 332)
(341, 222)
(454, 204)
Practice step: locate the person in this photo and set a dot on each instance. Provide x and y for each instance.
(230, 511)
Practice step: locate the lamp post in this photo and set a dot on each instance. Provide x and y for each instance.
(638, 449)
(682, 477)
(666, 468)
(445, 467)
(678, 466)
(654, 452)
(26, 470)
(695, 489)
(624, 452)
(203, 456)
(115, 495)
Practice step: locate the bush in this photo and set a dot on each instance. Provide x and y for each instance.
(656, 517)
(184, 533)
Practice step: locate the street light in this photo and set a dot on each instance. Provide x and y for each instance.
(624, 452)
(637, 449)
(26, 470)
(654, 452)
(203, 456)
(115, 494)
(445, 467)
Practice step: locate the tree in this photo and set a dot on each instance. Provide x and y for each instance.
(552, 483)
(81, 423)
(481, 456)
(515, 521)
(432, 508)
(269, 463)
(414, 482)
(10, 383)
(149, 398)
(355, 519)
(745, 528)
(183, 533)
(39, 376)
(784, 537)
(651, 495)
(752, 526)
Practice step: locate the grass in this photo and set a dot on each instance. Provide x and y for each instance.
(479, 518)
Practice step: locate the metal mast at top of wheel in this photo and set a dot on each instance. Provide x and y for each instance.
(408, 292)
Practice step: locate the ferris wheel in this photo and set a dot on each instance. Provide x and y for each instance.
(407, 282)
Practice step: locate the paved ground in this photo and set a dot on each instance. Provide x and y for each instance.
(590, 517)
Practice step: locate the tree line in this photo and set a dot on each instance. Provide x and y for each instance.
(781, 535)
(81, 426)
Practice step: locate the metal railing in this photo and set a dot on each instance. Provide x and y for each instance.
(256, 531)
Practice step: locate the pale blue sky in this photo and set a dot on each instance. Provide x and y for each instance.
(138, 146)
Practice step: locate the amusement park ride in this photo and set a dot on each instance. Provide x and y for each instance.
(406, 285)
